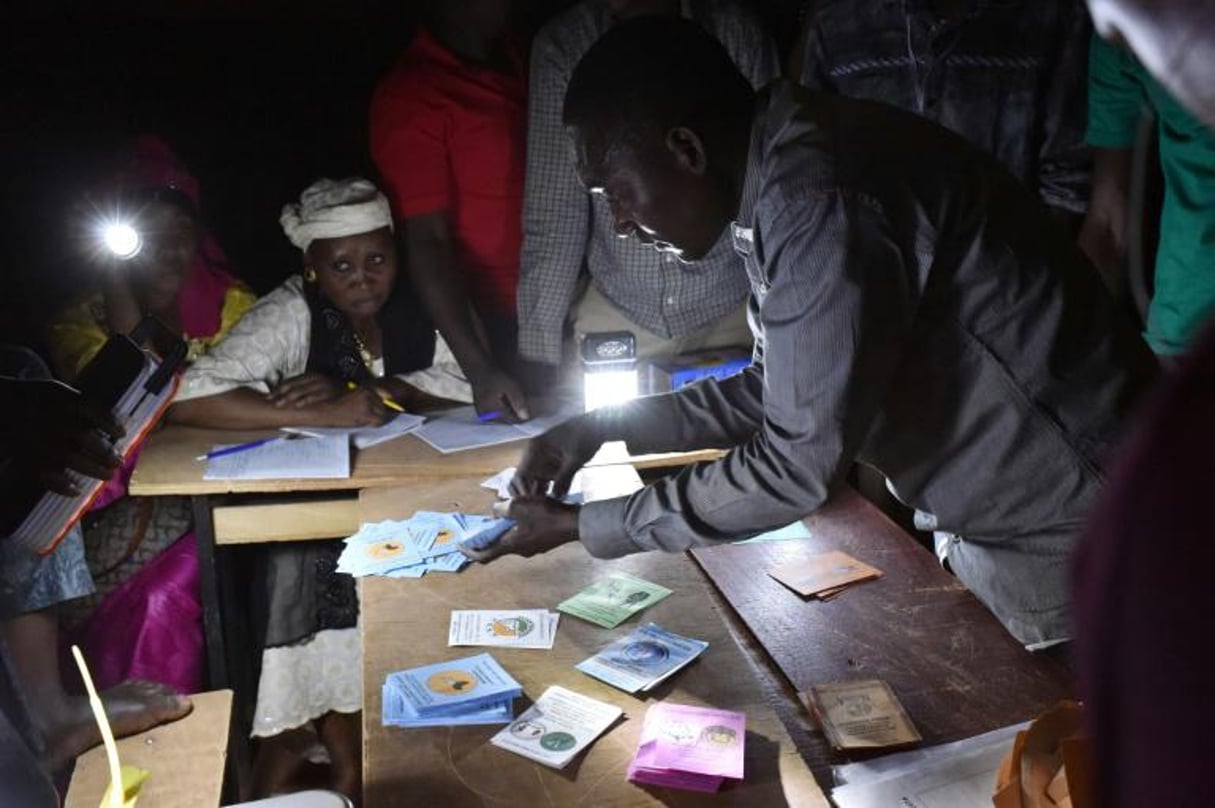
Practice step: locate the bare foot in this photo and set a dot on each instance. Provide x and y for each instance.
(131, 707)
(278, 760)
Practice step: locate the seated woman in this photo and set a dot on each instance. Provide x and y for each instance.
(325, 349)
(140, 550)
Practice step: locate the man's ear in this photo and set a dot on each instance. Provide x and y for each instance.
(688, 150)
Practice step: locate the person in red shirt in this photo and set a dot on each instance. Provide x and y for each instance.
(448, 129)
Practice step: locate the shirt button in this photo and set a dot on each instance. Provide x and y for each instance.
(670, 301)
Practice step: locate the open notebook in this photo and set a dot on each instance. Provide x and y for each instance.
(136, 386)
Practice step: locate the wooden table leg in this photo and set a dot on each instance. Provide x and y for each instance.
(227, 648)
(213, 628)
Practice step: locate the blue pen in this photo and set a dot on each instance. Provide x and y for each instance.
(240, 447)
(489, 416)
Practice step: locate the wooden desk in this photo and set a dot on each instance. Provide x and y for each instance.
(185, 758)
(404, 624)
(954, 667)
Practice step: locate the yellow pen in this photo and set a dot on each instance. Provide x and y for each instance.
(388, 401)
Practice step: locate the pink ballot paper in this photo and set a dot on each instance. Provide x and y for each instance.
(693, 748)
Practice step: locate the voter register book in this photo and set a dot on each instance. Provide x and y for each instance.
(136, 387)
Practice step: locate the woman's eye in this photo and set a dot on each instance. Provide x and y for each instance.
(341, 266)
(375, 259)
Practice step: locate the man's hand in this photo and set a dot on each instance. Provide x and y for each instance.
(554, 458)
(495, 391)
(305, 390)
(49, 428)
(542, 524)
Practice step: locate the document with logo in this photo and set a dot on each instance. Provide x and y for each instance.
(689, 747)
(518, 628)
(557, 727)
(863, 714)
(613, 600)
(643, 659)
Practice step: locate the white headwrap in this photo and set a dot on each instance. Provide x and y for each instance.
(333, 209)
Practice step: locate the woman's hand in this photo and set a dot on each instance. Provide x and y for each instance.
(359, 407)
(305, 390)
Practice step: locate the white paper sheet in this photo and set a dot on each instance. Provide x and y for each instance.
(364, 437)
(557, 727)
(956, 775)
(303, 458)
(458, 429)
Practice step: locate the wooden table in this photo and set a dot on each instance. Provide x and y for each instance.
(185, 758)
(954, 667)
(405, 622)
(245, 512)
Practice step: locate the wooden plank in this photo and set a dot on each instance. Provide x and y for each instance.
(327, 518)
(186, 759)
(167, 464)
(954, 667)
(404, 624)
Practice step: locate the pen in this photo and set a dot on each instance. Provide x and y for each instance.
(388, 400)
(489, 416)
(240, 447)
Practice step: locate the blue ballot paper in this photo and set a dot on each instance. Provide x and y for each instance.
(454, 688)
(643, 659)
(426, 542)
(488, 534)
(395, 712)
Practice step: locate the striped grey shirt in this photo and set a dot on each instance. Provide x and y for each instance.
(920, 313)
(565, 229)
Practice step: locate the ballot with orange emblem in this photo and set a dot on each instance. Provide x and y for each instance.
(471, 690)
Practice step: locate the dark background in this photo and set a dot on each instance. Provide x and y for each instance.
(258, 97)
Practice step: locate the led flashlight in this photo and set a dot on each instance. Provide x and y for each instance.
(122, 240)
(609, 364)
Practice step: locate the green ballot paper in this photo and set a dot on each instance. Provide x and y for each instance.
(613, 600)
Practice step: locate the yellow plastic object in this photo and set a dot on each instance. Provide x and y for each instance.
(125, 781)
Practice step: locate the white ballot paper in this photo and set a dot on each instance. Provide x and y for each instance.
(517, 628)
(557, 727)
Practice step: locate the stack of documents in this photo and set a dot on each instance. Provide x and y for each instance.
(474, 690)
(426, 542)
(557, 727)
(518, 628)
(825, 575)
(693, 748)
(643, 659)
(613, 600)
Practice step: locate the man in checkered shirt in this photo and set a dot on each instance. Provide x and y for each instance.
(671, 307)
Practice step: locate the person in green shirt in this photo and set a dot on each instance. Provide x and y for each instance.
(1184, 284)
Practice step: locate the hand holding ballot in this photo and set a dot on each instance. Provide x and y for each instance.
(555, 457)
(541, 524)
(49, 428)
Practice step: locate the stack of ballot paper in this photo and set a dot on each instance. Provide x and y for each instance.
(518, 628)
(426, 542)
(643, 659)
(557, 727)
(613, 600)
(693, 748)
(474, 690)
(825, 575)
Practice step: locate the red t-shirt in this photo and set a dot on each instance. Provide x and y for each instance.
(451, 137)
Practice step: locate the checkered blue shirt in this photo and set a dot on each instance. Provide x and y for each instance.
(566, 229)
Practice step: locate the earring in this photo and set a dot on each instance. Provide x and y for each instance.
(310, 275)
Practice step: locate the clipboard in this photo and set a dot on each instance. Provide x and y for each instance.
(133, 384)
